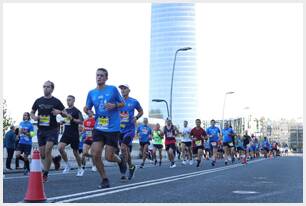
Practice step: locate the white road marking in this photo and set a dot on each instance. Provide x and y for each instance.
(144, 184)
(244, 192)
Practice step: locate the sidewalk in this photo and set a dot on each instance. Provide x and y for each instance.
(72, 161)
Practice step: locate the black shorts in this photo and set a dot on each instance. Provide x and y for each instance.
(207, 150)
(158, 146)
(24, 148)
(240, 149)
(73, 141)
(80, 151)
(108, 138)
(125, 138)
(228, 144)
(47, 135)
(187, 144)
(195, 149)
(172, 146)
(144, 143)
(88, 142)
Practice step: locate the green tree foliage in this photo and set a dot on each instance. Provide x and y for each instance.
(7, 120)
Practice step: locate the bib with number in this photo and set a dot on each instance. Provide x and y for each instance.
(124, 116)
(230, 144)
(214, 144)
(198, 143)
(44, 121)
(67, 121)
(102, 123)
(88, 133)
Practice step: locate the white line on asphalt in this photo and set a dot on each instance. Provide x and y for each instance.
(26, 176)
(145, 184)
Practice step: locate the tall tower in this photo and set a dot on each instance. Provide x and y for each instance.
(172, 28)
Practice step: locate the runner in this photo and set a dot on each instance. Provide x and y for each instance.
(170, 133)
(240, 148)
(198, 134)
(158, 137)
(47, 135)
(127, 125)
(106, 100)
(228, 145)
(144, 132)
(88, 127)
(252, 146)
(186, 144)
(213, 133)
(207, 149)
(73, 117)
(26, 132)
(265, 146)
(246, 140)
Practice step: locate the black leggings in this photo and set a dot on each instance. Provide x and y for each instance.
(10, 153)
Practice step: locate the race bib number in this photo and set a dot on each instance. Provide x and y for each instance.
(88, 133)
(169, 134)
(198, 143)
(103, 123)
(230, 144)
(67, 121)
(44, 121)
(214, 144)
(124, 116)
(144, 131)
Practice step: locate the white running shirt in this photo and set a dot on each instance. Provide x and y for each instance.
(186, 134)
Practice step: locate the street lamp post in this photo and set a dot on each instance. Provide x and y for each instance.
(222, 125)
(171, 88)
(162, 100)
(297, 134)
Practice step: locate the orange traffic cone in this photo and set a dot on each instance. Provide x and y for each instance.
(35, 192)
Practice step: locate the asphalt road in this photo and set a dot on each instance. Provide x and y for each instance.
(277, 180)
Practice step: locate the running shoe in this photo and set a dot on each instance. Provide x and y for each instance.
(94, 168)
(122, 165)
(132, 172)
(80, 172)
(45, 177)
(66, 170)
(104, 184)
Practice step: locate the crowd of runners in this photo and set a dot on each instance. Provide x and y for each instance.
(111, 127)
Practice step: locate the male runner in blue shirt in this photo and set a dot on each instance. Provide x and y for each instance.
(106, 100)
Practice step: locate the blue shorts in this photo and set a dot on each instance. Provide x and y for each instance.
(253, 148)
(126, 137)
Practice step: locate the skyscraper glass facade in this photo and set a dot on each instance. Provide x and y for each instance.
(173, 27)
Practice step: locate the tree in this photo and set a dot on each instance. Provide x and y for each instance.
(7, 120)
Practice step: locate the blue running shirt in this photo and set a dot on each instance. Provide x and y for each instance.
(144, 132)
(215, 131)
(127, 115)
(226, 134)
(106, 120)
(27, 127)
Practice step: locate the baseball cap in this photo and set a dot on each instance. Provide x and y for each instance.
(124, 85)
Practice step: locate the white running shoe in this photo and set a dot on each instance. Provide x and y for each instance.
(184, 162)
(94, 168)
(80, 172)
(66, 170)
(191, 162)
(173, 166)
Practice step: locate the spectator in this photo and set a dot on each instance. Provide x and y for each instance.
(10, 138)
(16, 143)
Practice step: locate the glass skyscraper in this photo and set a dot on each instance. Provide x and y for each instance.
(172, 28)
